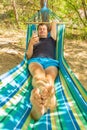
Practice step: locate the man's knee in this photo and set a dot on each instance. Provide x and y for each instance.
(36, 69)
(51, 72)
(32, 66)
(39, 76)
(39, 81)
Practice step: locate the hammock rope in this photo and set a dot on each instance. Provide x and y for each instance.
(46, 12)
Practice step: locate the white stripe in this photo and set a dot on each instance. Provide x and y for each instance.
(22, 118)
(10, 77)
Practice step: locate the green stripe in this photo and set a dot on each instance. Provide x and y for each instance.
(55, 122)
(13, 75)
(60, 41)
(20, 92)
(77, 113)
(15, 108)
(56, 117)
(78, 84)
(26, 125)
(29, 127)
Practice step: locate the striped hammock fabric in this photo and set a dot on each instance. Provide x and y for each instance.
(15, 91)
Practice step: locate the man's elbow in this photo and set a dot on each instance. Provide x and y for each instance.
(28, 55)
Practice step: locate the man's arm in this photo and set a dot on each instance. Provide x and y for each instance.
(29, 52)
(34, 40)
(53, 30)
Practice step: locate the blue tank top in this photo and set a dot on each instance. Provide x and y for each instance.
(45, 48)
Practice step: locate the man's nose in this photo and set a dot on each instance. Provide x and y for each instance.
(42, 29)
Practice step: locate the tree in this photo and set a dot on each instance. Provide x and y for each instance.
(15, 11)
(72, 11)
(42, 3)
(84, 8)
(79, 10)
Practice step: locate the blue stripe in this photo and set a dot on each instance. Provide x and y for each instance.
(20, 113)
(27, 105)
(67, 119)
(9, 93)
(44, 123)
(75, 92)
(3, 76)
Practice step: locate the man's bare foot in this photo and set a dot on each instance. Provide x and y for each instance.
(52, 102)
(47, 92)
(51, 90)
(49, 95)
(38, 108)
(52, 98)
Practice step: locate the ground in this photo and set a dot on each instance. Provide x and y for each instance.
(76, 56)
(12, 48)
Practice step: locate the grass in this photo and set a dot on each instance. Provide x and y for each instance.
(76, 34)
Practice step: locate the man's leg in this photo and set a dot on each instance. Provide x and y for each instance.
(38, 75)
(42, 78)
(38, 82)
(51, 73)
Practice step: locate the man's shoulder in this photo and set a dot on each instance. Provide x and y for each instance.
(51, 38)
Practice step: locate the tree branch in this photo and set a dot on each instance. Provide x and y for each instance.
(74, 7)
(84, 8)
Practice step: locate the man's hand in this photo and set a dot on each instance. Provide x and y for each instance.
(34, 40)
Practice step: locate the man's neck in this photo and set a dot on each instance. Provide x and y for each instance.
(42, 36)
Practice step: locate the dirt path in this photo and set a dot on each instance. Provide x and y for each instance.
(76, 56)
(12, 47)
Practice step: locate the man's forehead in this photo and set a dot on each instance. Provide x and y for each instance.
(42, 26)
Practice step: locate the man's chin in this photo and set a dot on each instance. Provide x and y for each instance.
(42, 36)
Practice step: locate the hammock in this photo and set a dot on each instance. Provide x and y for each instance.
(15, 90)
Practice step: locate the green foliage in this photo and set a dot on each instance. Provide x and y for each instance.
(5, 2)
(10, 13)
(77, 34)
(70, 11)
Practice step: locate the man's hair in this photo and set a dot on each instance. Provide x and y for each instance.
(41, 24)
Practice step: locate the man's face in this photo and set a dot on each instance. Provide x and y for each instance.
(42, 31)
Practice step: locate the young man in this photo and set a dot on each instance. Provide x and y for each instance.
(44, 69)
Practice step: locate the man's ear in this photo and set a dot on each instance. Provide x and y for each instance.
(48, 27)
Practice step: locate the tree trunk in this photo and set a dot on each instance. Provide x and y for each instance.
(42, 3)
(84, 8)
(15, 11)
(45, 15)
